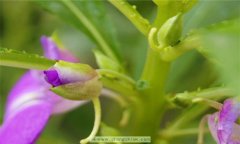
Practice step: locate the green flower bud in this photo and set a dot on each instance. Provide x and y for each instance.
(170, 31)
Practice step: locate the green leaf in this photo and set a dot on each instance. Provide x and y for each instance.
(222, 41)
(91, 18)
(206, 13)
(104, 62)
(108, 131)
(21, 59)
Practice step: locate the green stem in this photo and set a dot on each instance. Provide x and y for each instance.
(195, 111)
(132, 14)
(116, 75)
(122, 102)
(155, 74)
(13, 58)
(177, 133)
(97, 121)
(187, 98)
(201, 128)
(115, 96)
(128, 91)
(170, 53)
(118, 82)
(92, 29)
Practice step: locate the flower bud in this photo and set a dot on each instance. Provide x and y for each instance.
(73, 80)
(170, 31)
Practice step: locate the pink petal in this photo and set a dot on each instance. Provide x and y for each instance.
(227, 118)
(30, 86)
(52, 51)
(212, 125)
(26, 125)
(65, 105)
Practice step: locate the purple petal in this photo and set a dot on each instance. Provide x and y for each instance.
(32, 86)
(50, 48)
(25, 125)
(61, 105)
(212, 124)
(227, 118)
(64, 105)
(51, 76)
(52, 51)
(28, 87)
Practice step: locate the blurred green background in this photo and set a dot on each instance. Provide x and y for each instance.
(22, 23)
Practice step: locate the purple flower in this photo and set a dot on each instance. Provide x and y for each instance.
(73, 80)
(64, 73)
(223, 124)
(30, 103)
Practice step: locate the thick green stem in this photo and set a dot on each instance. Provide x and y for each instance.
(153, 98)
(155, 74)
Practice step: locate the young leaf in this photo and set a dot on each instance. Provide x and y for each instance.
(91, 18)
(109, 131)
(21, 59)
(105, 62)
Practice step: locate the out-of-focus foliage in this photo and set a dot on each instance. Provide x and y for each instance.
(22, 24)
(223, 42)
(205, 13)
(192, 70)
(94, 11)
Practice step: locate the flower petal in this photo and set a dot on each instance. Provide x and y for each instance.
(51, 76)
(52, 51)
(235, 137)
(64, 105)
(227, 118)
(28, 87)
(73, 72)
(212, 124)
(26, 124)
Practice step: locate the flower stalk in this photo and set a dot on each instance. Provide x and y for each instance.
(97, 121)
